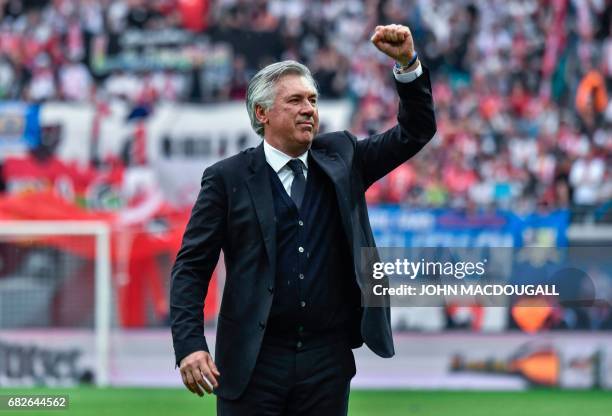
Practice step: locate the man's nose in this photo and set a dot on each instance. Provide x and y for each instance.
(307, 108)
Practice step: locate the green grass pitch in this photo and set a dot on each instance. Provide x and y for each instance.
(168, 402)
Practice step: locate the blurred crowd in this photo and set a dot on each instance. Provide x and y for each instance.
(522, 87)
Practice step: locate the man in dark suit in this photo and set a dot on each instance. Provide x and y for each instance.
(291, 218)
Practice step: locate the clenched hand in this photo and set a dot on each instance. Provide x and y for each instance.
(394, 41)
(194, 368)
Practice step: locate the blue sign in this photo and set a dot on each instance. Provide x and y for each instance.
(19, 127)
(394, 226)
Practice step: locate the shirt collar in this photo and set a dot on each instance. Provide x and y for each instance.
(278, 159)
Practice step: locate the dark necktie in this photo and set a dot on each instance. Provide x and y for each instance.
(299, 181)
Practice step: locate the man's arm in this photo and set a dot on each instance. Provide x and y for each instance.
(193, 268)
(381, 153)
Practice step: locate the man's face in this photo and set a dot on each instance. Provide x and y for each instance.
(293, 120)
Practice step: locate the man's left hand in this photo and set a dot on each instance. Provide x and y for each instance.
(394, 41)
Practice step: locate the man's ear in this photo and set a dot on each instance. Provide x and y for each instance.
(261, 114)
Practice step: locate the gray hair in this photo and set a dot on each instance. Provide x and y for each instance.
(262, 87)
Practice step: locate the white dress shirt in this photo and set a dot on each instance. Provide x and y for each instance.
(278, 160)
(408, 76)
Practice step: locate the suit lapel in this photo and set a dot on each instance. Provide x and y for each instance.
(259, 187)
(336, 170)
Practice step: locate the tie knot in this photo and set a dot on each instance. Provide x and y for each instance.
(296, 166)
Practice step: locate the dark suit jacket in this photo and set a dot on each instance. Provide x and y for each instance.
(234, 212)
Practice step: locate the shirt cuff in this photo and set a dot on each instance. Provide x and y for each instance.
(408, 76)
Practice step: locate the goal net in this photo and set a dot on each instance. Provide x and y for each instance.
(55, 302)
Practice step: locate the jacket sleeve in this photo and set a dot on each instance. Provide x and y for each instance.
(194, 265)
(381, 153)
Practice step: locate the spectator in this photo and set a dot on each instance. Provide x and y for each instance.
(42, 86)
(586, 176)
(75, 81)
(591, 99)
(8, 78)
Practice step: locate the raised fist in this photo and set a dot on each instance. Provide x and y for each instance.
(394, 41)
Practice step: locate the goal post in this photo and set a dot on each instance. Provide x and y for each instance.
(100, 231)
